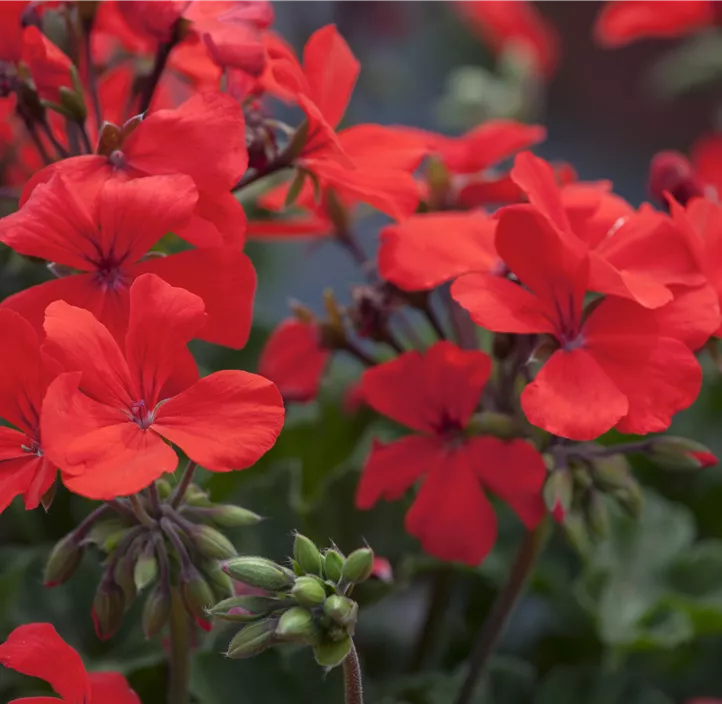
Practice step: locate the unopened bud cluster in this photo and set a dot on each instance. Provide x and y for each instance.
(307, 603)
(159, 545)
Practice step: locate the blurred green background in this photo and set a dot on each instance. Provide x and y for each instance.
(638, 621)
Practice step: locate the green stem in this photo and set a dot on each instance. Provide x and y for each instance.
(501, 610)
(352, 680)
(441, 589)
(179, 651)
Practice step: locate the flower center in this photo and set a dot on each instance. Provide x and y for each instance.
(450, 430)
(569, 343)
(32, 447)
(117, 159)
(110, 275)
(141, 415)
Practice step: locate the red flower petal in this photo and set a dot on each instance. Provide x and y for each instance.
(620, 23)
(163, 319)
(27, 475)
(37, 650)
(451, 516)
(211, 130)
(49, 66)
(226, 281)
(392, 469)
(225, 421)
(573, 397)
(423, 251)
(111, 688)
(23, 373)
(80, 343)
(497, 304)
(331, 71)
(692, 317)
(293, 360)
(55, 224)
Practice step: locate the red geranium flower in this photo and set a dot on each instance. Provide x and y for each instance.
(620, 23)
(614, 365)
(106, 419)
(294, 360)
(107, 238)
(24, 376)
(435, 395)
(508, 22)
(204, 138)
(37, 650)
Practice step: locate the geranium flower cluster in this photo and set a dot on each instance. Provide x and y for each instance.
(554, 311)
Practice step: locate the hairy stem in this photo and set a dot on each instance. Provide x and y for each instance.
(501, 610)
(352, 681)
(179, 665)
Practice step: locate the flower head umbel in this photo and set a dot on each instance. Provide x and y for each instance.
(435, 395)
(37, 650)
(106, 420)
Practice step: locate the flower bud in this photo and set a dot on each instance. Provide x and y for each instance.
(558, 490)
(195, 496)
(212, 543)
(333, 564)
(332, 653)
(123, 572)
(220, 582)
(228, 516)
(259, 572)
(297, 625)
(108, 609)
(358, 566)
(197, 596)
(681, 454)
(72, 102)
(308, 591)
(63, 561)
(248, 608)
(671, 172)
(612, 472)
(342, 611)
(252, 639)
(499, 425)
(156, 611)
(164, 488)
(146, 567)
(597, 515)
(307, 555)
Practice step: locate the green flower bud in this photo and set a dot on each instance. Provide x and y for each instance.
(228, 516)
(220, 582)
(108, 609)
(308, 591)
(107, 534)
(244, 609)
(163, 485)
(332, 653)
(252, 639)
(63, 561)
(211, 543)
(680, 454)
(123, 572)
(197, 596)
(259, 572)
(342, 611)
(558, 490)
(156, 611)
(297, 625)
(597, 515)
(146, 567)
(612, 472)
(358, 566)
(195, 496)
(307, 555)
(333, 564)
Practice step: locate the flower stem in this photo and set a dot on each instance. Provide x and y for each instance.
(501, 610)
(352, 680)
(179, 664)
(161, 59)
(439, 598)
(140, 512)
(183, 484)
